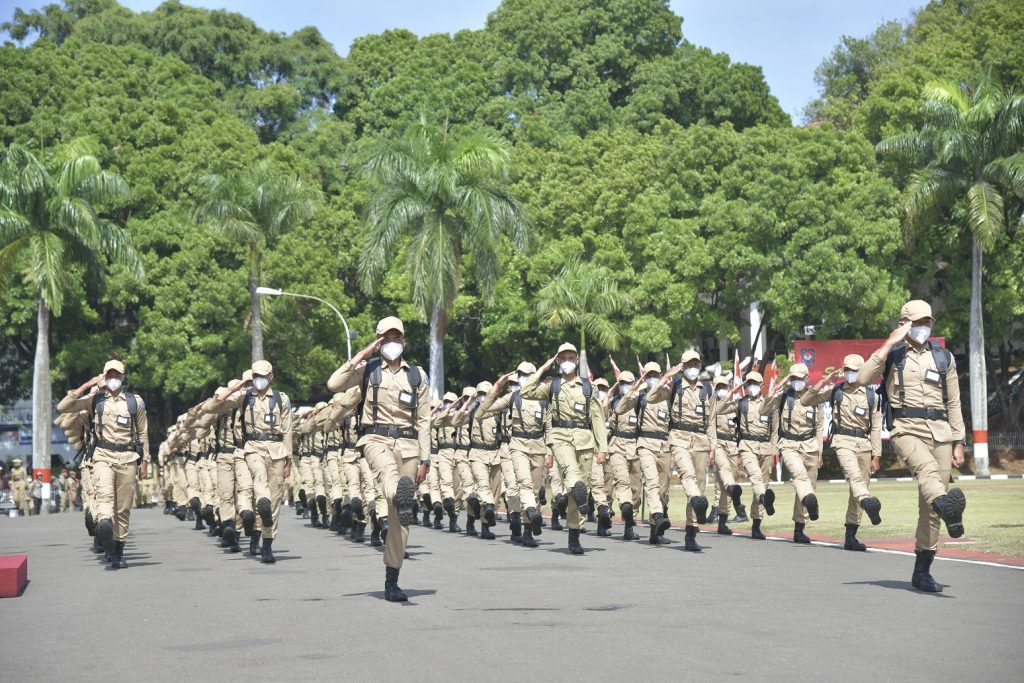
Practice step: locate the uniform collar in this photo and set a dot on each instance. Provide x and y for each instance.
(119, 396)
(402, 365)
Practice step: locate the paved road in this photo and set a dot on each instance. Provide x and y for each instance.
(488, 610)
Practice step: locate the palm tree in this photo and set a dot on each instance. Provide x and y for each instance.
(584, 295)
(254, 207)
(446, 193)
(967, 150)
(49, 221)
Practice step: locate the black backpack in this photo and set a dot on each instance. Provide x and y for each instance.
(97, 417)
(250, 402)
(588, 391)
(705, 395)
(897, 359)
(787, 406)
(372, 378)
(837, 401)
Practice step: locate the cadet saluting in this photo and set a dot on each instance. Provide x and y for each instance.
(395, 433)
(923, 393)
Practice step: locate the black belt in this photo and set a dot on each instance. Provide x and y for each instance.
(116, 447)
(793, 436)
(856, 433)
(623, 435)
(570, 424)
(654, 435)
(751, 437)
(517, 434)
(190, 457)
(697, 429)
(726, 436)
(261, 436)
(447, 444)
(391, 431)
(226, 449)
(435, 451)
(307, 454)
(919, 414)
(483, 447)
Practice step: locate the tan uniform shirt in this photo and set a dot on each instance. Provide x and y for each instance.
(570, 405)
(622, 432)
(686, 408)
(115, 426)
(259, 419)
(528, 417)
(756, 423)
(394, 405)
(725, 424)
(922, 389)
(800, 421)
(654, 418)
(853, 413)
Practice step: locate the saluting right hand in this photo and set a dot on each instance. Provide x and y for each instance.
(900, 333)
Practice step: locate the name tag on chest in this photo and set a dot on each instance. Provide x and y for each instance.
(764, 418)
(405, 398)
(579, 407)
(270, 419)
(662, 415)
(538, 415)
(931, 376)
(809, 414)
(632, 419)
(860, 411)
(123, 420)
(699, 410)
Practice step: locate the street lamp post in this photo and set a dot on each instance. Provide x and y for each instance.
(270, 291)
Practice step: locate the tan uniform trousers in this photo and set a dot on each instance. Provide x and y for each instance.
(759, 473)
(466, 483)
(628, 479)
(115, 494)
(557, 483)
(803, 468)
(192, 486)
(656, 470)
(598, 478)
(508, 478)
(388, 466)
(529, 471)
(88, 500)
(573, 465)
(444, 463)
(692, 467)
(334, 476)
(726, 464)
(267, 482)
(485, 486)
(180, 482)
(234, 485)
(361, 485)
(930, 463)
(208, 482)
(856, 465)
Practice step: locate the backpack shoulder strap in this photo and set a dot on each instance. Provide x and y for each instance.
(941, 357)
(97, 413)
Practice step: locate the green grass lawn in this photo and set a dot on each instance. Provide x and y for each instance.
(994, 518)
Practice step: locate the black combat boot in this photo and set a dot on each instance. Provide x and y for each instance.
(922, 579)
(384, 526)
(117, 560)
(181, 512)
(723, 529)
(105, 535)
(248, 522)
(345, 520)
(581, 496)
(810, 502)
(735, 492)
(405, 497)
(438, 515)
(359, 532)
(210, 516)
(489, 515)
(630, 533)
(556, 525)
(254, 543)
(574, 542)
(590, 508)
(515, 527)
(485, 532)
(755, 531)
(768, 501)
(314, 518)
(798, 533)
(741, 515)
(873, 507)
(199, 523)
(528, 540)
(713, 514)
(266, 512)
(375, 530)
(604, 521)
(950, 508)
(690, 544)
(90, 523)
(357, 510)
(542, 496)
(453, 516)
(700, 508)
(562, 502)
(392, 593)
(470, 526)
(267, 556)
(535, 521)
(851, 542)
(230, 538)
(627, 514)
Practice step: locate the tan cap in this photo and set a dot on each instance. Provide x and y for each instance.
(113, 364)
(566, 347)
(320, 404)
(483, 387)
(721, 380)
(526, 368)
(468, 392)
(692, 354)
(16, 462)
(651, 367)
(627, 376)
(915, 310)
(262, 367)
(601, 382)
(798, 371)
(390, 323)
(247, 376)
(753, 376)
(853, 362)
(450, 396)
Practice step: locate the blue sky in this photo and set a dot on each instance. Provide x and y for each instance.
(787, 38)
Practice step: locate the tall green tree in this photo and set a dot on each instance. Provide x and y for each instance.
(967, 154)
(448, 195)
(584, 296)
(254, 207)
(50, 221)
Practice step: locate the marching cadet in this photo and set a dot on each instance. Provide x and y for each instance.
(121, 437)
(622, 455)
(601, 484)
(727, 460)
(484, 461)
(856, 438)
(527, 419)
(920, 381)
(578, 433)
(341, 520)
(446, 458)
(190, 434)
(19, 488)
(513, 498)
(361, 488)
(755, 432)
(799, 444)
(395, 440)
(691, 438)
(648, 399)
(266, 425)
(463, 443)
(431, 488)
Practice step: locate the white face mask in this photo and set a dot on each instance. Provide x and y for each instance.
(850, 376)
(567, 367)
(798, 384)
(391, 350)
(113, 384)
(920, 333)
(515, 387)
(601, 395)
(651, 381)
(722, 393)
(691, 373)
(261, 383)
(624, 388)
(754, 390)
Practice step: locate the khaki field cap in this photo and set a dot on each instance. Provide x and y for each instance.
(691, 355)
(113, 365)
(754, 376)
(627, 376)
(16, 462)
(468, 392)
(247, 376)
(566, 347)
(262, 367)
(320, 405)
(449, 396)
(601, 382)
(483, 387)
(798, 371)
(526, 368)
(390, 323)
(853, 362)
(721, 381)
(915, 310)
(651, 367)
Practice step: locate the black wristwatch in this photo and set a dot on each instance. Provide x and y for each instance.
(425, 462)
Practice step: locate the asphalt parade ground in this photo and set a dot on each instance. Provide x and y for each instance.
(184, 610)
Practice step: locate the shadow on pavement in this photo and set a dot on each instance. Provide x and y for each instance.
(897, 585)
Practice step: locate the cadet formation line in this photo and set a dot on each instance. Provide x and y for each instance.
(380, 452)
